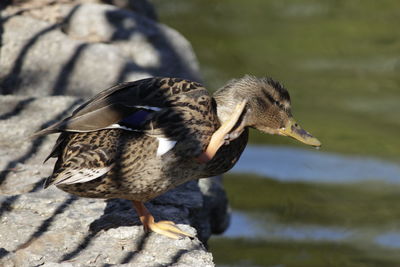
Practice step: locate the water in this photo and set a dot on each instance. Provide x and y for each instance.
(389, 239)
(257, 226)
(247, 225)
(294, 164)
(311, 166)
(341, 203)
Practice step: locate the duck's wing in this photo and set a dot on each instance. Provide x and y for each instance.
(170, 109)
(131, 104)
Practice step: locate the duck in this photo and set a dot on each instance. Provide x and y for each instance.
(139, 139)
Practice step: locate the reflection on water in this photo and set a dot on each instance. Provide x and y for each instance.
(314, 166)
(283, 212)
(259, 226)
(389, 239)
(255, 226)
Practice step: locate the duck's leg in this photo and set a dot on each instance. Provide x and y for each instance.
(166, 228)
(219, 137)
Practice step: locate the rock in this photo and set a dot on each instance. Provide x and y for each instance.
(77, 49)
(53, 227)
(49, 226)
(143, 7)
(80, 49)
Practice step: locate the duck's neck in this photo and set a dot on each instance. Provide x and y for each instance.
(225, 105)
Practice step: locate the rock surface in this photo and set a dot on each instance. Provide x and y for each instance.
(84, 48)
(65, 48)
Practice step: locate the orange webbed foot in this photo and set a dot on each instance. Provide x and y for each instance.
(166, 228)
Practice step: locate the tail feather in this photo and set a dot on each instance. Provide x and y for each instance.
(47, 182)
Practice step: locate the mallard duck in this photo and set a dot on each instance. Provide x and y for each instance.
(139, 139)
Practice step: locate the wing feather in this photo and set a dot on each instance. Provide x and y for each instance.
(73, 176)
(176, 110)
(120, 101)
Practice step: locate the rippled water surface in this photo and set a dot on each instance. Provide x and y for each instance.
(312, 202)
(309, 167)
(294, 164)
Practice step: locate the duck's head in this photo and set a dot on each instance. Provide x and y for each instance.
(268, 107)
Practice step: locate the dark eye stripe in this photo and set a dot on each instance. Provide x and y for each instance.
(269, 96)
(272, 100)
(261, 102)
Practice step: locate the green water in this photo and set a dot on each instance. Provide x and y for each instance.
(340, 60)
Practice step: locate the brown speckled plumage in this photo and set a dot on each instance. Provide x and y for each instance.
(99, 160)
(187, 115)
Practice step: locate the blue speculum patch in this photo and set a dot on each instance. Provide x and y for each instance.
(136, 119)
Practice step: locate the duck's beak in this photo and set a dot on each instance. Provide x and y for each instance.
(294, 130)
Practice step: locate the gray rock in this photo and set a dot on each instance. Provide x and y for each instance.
(82, 49)
(49, 226)
(143, 7)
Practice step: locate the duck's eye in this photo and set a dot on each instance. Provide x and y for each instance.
(279, 104)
